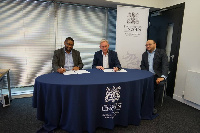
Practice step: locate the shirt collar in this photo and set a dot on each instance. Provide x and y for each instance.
(106, 54)
(152, 52)
(66, 52)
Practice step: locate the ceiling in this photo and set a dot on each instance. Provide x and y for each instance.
(99, 3)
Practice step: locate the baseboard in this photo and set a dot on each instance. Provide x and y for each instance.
(21, 94)
(181, 99)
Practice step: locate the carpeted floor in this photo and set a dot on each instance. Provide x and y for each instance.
(174, 117)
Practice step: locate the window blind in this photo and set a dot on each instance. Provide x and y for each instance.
(86, 25)
(27, 39)
(31, 30)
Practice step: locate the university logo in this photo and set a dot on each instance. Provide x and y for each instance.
(132, 27)
(133, 18)
(112, 105)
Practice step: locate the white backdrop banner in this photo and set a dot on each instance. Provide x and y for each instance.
(131, 35)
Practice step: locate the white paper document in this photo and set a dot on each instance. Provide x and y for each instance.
(122, 70)
(69, 72)
(81, 71)
(75, 72)
(111, 70)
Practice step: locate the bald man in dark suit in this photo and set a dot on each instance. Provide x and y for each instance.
(155, 60)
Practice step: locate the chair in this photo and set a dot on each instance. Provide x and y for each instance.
(164, 91)
(4, 98)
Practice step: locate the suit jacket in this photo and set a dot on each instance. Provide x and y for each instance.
(113, 60)
(160, 62)
(59, 59)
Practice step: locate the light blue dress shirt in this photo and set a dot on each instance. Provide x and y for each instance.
(150, 61)
(69, 63)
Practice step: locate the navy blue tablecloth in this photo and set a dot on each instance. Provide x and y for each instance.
(83, 102)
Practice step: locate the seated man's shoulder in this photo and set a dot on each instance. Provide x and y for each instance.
(112, 52)
(161, 51)
(59, 50)
(98, 52)
(74, 50)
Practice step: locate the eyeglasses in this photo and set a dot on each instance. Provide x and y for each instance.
(69, 44)
(105, 46)
(148, 45)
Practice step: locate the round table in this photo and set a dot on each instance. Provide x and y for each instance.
(83, 102)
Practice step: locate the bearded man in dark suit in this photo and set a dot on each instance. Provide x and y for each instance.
(155, 60)
(67, 58)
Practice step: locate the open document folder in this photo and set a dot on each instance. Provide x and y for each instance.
(111, 70)
(75, 72)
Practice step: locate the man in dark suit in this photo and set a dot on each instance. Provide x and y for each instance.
(66, 58)
(155, 60)
(106, 58)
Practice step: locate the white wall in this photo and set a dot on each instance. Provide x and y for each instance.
(189, 53)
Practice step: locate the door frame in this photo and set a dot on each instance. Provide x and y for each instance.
(173, 14)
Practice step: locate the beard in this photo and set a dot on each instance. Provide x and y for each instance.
(68, 49)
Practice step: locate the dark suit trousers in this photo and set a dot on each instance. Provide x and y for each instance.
(158, 92)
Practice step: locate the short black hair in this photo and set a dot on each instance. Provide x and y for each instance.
(152, 40)
(69, 38)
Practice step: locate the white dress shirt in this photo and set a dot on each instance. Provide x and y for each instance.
(105, 60)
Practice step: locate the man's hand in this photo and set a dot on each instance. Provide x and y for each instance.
(61, 70)
(75, 68)
(159, 80)
(100, 67)
(115, 69)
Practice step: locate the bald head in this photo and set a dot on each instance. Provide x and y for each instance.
(150, 45)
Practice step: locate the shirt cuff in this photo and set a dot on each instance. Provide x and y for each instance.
(163, 76)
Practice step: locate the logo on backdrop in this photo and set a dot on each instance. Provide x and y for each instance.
(112, 105)
(132, 27)
(132, 61)
(132, 18)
